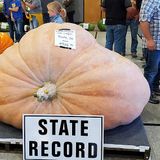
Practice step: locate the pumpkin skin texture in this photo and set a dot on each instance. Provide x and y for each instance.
(89, 80)
(5, 41)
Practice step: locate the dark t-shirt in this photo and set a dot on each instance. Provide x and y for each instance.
(138, 4)
(69, 5)
(6, 5)
(44, 5)
(116, 11)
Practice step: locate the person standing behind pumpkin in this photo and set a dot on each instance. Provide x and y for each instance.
(116, 12)
(6, 12)
(35, 13)
(45, 11)
(56, 12)
(150, 26)
(70, 8)
(133, 23)
(17, 18)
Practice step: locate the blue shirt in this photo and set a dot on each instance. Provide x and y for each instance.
(19, 13)
(150, 12)
(6, 5)
(57, 19)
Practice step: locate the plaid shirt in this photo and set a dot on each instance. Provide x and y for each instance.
(150, 12)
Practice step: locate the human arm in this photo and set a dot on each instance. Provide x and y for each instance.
(147, 12)
(15, 6)
(138, 7)
(103, 9)
(30, 5)
(103, 6)
(14, 9)
(23, 7)
(145, 27)
(132, 11)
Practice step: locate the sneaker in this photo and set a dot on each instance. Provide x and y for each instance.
(156, 92)
(153, 99)
(142, 58)
(123, 54)
(134, 55)
(143, 65)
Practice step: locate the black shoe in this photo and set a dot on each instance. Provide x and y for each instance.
(156, 92)
(134, 55)
(153, 99)
(143, 65)
(142, 58)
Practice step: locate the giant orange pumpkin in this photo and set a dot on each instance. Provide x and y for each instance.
(38, 77)
(5, 41)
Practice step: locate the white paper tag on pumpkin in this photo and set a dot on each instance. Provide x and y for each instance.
(4, 25)
(85, 25)
(65, 38)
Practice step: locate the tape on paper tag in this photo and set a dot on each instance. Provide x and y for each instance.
(65, 38)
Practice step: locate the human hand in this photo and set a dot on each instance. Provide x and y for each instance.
(26, 3)
(7, 16)
(26, 13)
(131, 12)
(151, 45)
(136, 17)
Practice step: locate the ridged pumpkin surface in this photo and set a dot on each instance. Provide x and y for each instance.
(89, 79)
(5, 41)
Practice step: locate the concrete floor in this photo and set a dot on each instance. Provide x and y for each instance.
(150, 116)
(151, 113)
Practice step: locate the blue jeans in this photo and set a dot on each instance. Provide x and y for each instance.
(133, 24)
(34, 22)
(19, 26)
(152, 68)
(11, 28)
(115, 35)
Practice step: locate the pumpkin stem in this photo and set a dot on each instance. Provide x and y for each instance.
(46, 92)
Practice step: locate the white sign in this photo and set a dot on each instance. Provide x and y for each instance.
(62, 137)
(65, 38)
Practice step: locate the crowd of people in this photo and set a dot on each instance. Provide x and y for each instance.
(123, 13)
(120, 14)
(38, 12)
